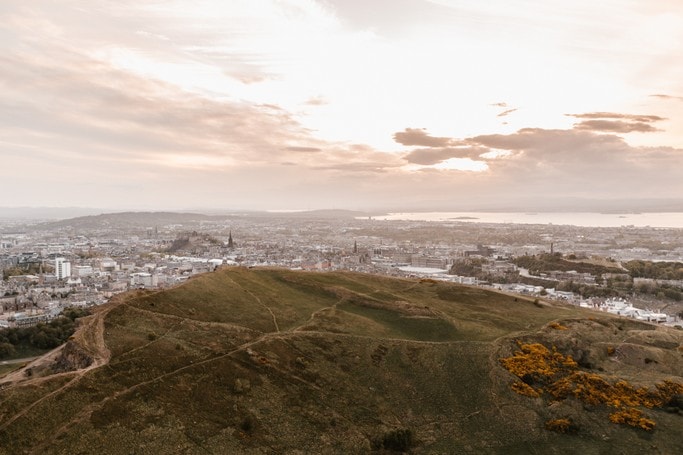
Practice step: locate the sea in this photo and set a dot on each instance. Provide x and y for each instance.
(587, 219)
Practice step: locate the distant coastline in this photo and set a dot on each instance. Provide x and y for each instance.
(585, 219)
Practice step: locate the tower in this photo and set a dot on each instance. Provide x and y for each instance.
(230, 243)
(355, 247)
(62, 268)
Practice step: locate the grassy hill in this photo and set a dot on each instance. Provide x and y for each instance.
(270, 361)
(127, 220)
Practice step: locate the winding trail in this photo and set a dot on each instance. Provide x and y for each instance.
(90, 337)
(260, 302)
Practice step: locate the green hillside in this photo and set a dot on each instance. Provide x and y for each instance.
(269, 361)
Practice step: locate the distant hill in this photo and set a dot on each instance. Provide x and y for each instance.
(148, 219)
(324, 214)
(46, 213)
(269, 361)
(128, 219)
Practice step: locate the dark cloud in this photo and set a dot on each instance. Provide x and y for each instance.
(419, 137)
(532, 139)
(615, 116)
(612, 122)
(536, 146)
(615, 126)
(431, 156)
(667, 97)
(506, 112)
(580, 153)
(579, 163)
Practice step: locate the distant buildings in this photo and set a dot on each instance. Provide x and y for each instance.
(62, 268)
(82, 271)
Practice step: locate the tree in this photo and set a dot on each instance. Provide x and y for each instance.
(7, 350)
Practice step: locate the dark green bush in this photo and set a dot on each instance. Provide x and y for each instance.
(398, 440)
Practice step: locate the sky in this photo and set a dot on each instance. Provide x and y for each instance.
(340, 104)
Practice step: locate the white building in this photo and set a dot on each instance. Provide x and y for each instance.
(143, 280)
(83, 271)
(62, 268)
(108, 265)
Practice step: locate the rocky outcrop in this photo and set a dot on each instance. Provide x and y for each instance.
(72, 357)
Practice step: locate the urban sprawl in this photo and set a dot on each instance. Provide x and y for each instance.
(48, 266)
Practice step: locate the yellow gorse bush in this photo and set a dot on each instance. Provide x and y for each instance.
(549, 374)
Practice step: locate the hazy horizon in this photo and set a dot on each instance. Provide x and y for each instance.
(342, 104)
(582, 217)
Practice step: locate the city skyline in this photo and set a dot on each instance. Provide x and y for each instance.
(303, 104)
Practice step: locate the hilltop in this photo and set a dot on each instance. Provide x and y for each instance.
(142, 219)
(127, 220)
(272, 361)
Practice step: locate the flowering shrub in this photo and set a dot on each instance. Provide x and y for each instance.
(559, 425)
(525, 389)
(632, 417)
(554, 376)
(557, 326)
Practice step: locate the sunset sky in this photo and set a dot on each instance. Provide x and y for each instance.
(354, 104)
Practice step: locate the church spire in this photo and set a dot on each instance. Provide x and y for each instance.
(230, 244)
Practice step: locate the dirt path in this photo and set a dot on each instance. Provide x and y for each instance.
(90, 336)
(13, 361)
(260, 302)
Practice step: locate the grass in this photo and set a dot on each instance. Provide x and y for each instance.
(8, 368)
(401, 326)
(356, 358)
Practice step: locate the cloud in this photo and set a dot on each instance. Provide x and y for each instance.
(316, 101)
(507, 109)
(548, 143)
(389, 17)
(93, 123)
(418, 136)
(580, 163)
(170, 104)
(667, 97)
(430, 156)
(615, 126)
(616, 123)
(612, 115)
(304, 149)
(506, 112)
(357, 167)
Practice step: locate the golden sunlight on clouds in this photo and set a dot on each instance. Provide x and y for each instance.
(348, 103)
(462, 164)
(495, 153)
(187, 75)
